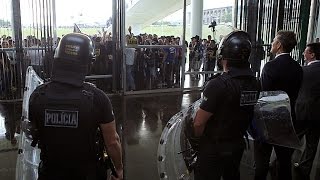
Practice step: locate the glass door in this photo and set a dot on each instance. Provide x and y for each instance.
(153, 46)
(202, 42)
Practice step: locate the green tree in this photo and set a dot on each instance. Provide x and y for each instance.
(227, 17)
(4, 23)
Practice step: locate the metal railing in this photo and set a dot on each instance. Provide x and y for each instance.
(263, 18)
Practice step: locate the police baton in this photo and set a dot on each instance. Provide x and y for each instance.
(104, 154)
(108, 160)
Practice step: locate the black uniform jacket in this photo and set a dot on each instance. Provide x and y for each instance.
(285, 74)
(222, 98)
(65, 119)
(308, 101)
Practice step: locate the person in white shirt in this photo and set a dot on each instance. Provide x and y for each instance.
(130, 57)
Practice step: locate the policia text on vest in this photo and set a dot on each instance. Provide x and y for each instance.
(61, 118)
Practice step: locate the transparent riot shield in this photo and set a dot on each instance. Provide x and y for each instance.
(176, 150)
(176, 157)
(272, 120)
(28, 157)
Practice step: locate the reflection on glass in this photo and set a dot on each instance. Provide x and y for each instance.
(2, 127)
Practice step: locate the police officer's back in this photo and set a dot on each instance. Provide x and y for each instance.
(226, 111)
(65, 114)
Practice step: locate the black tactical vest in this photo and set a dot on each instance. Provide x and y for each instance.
(232, 119)
(67, 127)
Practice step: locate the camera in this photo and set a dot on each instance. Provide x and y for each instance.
(213, 25)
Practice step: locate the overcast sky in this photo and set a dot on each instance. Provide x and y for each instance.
(100, 9)
(207, 4)
(78, 11)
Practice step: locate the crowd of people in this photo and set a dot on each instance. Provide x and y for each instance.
(146, 68)
(157, 67)
(154, 67)
(150, 68)
(9, 88)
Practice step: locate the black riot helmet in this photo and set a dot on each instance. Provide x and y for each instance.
(72, 58)
(235, 48)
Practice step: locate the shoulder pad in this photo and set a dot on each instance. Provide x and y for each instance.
(207, 82)
(38, 92)
(41, 87)
(89, 84)
(214, 76)
(88, 89)
(225, 76)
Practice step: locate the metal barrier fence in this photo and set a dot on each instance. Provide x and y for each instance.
(263, 18)
(10, 77)
(27, 38)
(295, 15)
(38, 19)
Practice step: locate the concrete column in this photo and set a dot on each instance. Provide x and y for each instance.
(196, 17)
(17, 30)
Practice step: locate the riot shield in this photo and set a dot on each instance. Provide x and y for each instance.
(272, 120)
(177, 147)
(176, 156)
(28, 157)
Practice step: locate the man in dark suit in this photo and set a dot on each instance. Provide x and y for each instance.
(307, 110)
(285, 74)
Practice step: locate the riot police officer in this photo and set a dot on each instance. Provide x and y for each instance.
(226, 111)
(65, 114)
